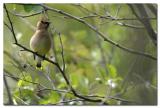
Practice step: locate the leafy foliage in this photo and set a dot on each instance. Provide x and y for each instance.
(94, 67)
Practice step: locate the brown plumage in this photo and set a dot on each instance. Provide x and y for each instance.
(40, 41)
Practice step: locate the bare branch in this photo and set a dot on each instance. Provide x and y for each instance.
(67, 101)
(118, 19)
(125, 25)
(147, 83)
(7, 26)
(84, 17)
(10, 24)
(22, 101)
(17, 78)
(145, 22)
(118, 10)
(62, 52)
(94, 14)
(25, 16)
(101, 34)
(153, 9)
(10, 102)
(49, 89)
(55, 63)
(114, 19)
(129, 25)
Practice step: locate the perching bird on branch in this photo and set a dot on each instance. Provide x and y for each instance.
(41, 41)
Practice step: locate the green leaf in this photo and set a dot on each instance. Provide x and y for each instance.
(32, 7)
(102, 73)
(112, 71)
(22, 83)
(69, 96)
(83, 84)
(28, 96)
(74, 80)
(52, 98)
(62, 85)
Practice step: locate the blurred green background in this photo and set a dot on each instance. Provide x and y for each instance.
(93, 66)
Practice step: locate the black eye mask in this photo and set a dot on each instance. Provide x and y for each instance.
(45, 22)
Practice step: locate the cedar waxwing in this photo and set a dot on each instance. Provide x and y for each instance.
(41, 41)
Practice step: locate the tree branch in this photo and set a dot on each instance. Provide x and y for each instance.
(110, 17)
(67, 101)
(64, 91)
(11, 25)
(62, 52)
(99, 33)
(52, 62)
(25, 16)
(84, 17)
(10, 102)
(129, 25)
(17, 78)
(145, 22)
(153, 9)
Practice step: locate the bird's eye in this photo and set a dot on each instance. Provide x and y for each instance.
(45, 22)
(42, 22)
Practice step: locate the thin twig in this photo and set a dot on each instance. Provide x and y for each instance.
(152, 8)
(84, 17)
(109, 16)
(118, 10)
(114, 98)
(36, 83)
(7, 26)
(58, 90)
(67, 101)
(64, 91)
(11, 25)
(152, 34)
(55, 63)
(101, 34)
(17, 78)
(129, 25)
(25, 103)
(10, 102)
(62, 52)
(122, 24)
(25, 16)
(114, 19)
(118, 19)
(147, 83)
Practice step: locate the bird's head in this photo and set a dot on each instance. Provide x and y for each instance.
(43, 24)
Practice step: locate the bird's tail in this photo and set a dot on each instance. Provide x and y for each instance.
(38, 64)
(39, 60)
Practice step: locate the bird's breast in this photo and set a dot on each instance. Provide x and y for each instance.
(40, 42)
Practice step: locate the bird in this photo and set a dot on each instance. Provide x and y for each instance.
(40, 42)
